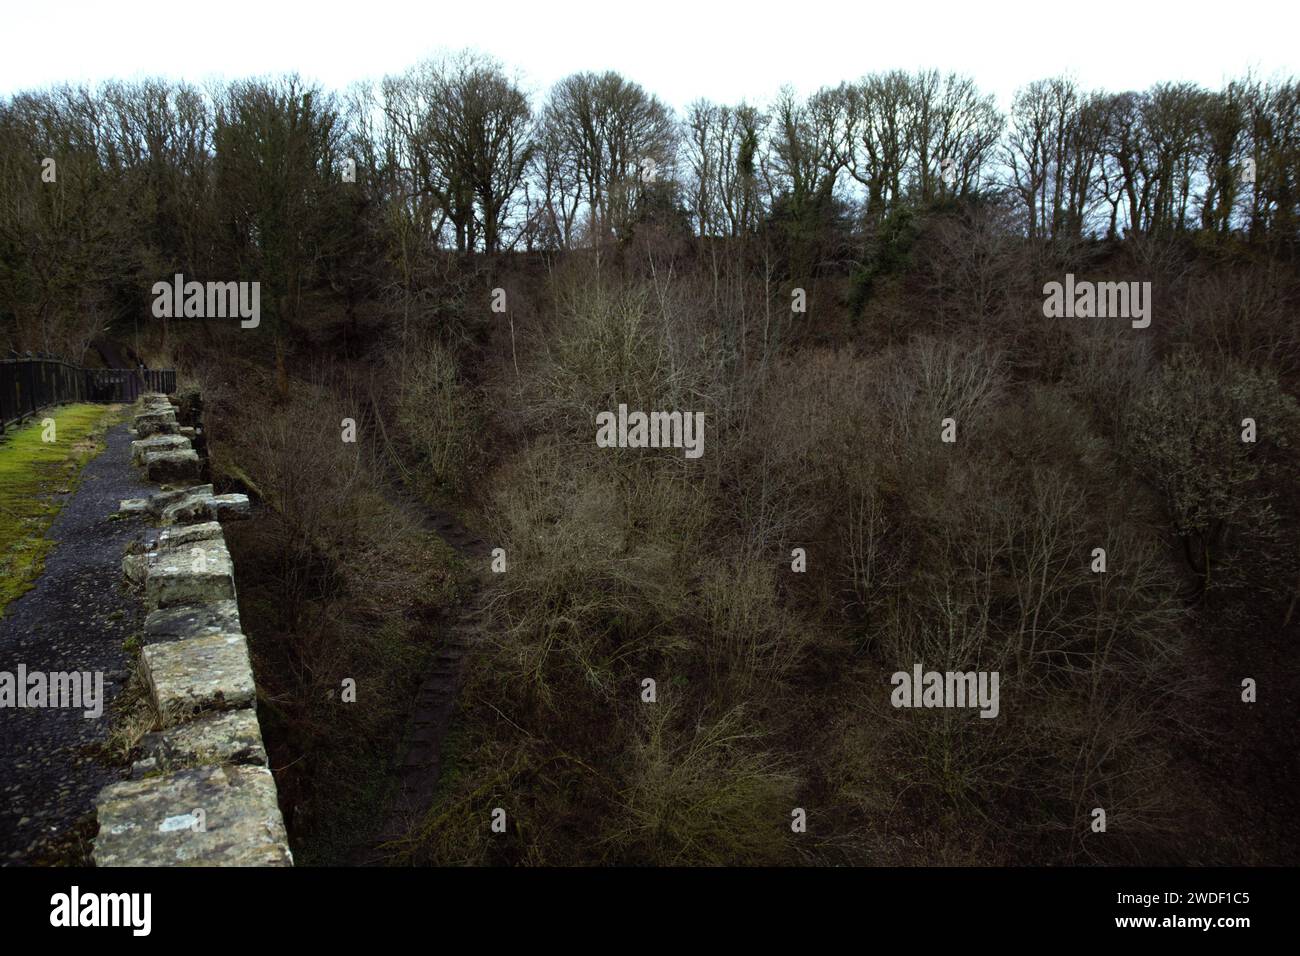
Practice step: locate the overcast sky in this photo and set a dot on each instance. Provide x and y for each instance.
(677, 49)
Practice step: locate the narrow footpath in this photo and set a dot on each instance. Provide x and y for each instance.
(418, 764)
(76, 618)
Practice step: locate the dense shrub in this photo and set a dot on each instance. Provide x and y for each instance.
(1187, 435)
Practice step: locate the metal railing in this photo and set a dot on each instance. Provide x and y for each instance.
(30, 384)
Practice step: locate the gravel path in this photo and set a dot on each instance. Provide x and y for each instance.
(75, 618)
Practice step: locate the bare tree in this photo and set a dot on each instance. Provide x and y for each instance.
(612, 130)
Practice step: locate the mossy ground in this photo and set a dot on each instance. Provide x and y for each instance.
(35, 474)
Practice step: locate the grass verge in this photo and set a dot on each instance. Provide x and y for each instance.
(35, 474)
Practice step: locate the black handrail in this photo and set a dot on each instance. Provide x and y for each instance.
(30, 384)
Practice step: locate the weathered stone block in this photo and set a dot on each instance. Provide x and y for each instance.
(192, 574)
(162, 500)
(172, 465)
(172, 538)
(231, 507)
(156, 443)
(229, 737)
(199, 673)
(192, 620)
(206, 507)
(154, 423)
(189, 509)
(210, 816)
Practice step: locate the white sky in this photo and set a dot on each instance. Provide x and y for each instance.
(677, 49)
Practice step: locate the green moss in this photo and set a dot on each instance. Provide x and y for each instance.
(34, 474)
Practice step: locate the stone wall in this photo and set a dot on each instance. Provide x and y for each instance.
(201, 793)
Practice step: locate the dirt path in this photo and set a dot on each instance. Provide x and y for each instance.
(418, 764)
(76, 618)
